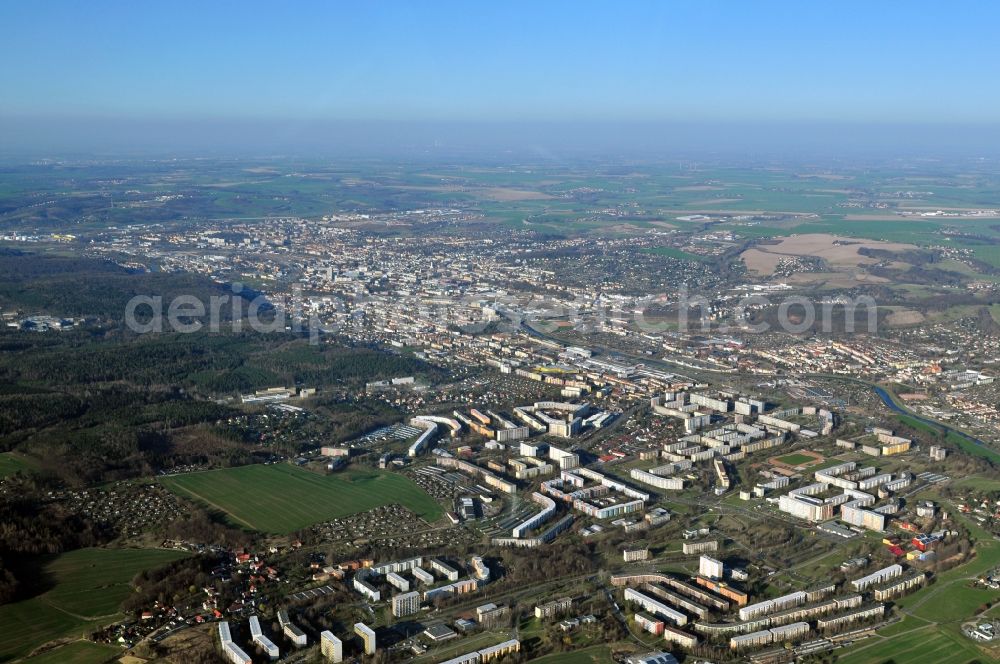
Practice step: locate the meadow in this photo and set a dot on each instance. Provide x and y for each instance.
(919, 646)
(11, 463)
(87, 586)
(592, 655)
(930, 632)
(281, 498)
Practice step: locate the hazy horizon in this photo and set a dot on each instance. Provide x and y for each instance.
(567, 78)
(39, 137)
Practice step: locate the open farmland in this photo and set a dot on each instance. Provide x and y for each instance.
(839, 252)
(283, 499)
(87, 587)
(77, 652)
(924, 645)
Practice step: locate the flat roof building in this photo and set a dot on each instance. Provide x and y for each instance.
(367, 635)
(406, 604)
(331, 647)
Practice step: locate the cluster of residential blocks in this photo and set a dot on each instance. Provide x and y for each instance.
(856, 504)
(407, 601)
(487, 654)
(667, 603)
(237, 655)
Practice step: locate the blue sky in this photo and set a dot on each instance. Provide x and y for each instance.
(705, 61)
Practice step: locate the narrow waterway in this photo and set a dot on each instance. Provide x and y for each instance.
(888, 401)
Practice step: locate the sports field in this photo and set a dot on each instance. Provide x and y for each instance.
(280, 498)
(796, 459)
(88, 585)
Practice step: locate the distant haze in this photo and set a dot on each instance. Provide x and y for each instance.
(563, 77)
(537, 141)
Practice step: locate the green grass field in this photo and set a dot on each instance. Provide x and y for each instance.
(672, 252)
(89, 584)
(935, 614)
(282, 498)
(592, 655)
(77, 652)
(11, 463)
(795, 459)
(922, 646)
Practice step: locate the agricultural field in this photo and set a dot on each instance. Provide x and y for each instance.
(919, 646)
(282, 498)
(77, 652)
(87, 587)
(837, 250)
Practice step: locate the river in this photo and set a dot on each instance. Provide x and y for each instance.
(888, 401)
